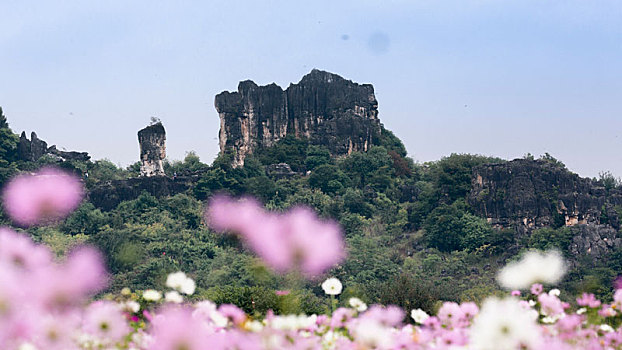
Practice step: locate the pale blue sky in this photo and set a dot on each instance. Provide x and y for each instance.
(500, 78)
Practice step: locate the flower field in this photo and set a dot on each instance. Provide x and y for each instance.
(50, 304)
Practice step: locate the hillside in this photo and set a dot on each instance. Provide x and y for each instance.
(416, 233)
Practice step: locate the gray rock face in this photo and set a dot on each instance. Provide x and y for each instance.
(537, 193)
(35, 148)
(152, 141)
(323, 107)
(106, 196)
(594, 240)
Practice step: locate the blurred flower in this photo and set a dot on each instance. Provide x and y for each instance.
(419, 316)
(357, 304)
(131, 306)
(504, 324)
(105, 320)
(174, 328)
(296, 239)
(588, 299)
(533, 267)
(181, 282)
(152, 295)
(536, 289)
(173, 297)
(44, 197)
(282, 292)
(332, 286)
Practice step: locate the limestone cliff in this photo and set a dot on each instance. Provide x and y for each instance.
(537, 193)
(152, 141)
(323, 107)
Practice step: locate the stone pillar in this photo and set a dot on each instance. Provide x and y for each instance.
(152, 150)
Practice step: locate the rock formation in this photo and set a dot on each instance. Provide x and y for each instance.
(152, 150)
(107, 195)
(33, 149)
(537, 193)
(323, 107)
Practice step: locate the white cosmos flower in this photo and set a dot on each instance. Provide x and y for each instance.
(606, 328)
(332, 286)
(535, 266)
(504, 324)
(357, 304)
(554, 292)
(173, 297)
(179, 281)
(132, 306)
(419, 315)
(372, 334)
(152, 295)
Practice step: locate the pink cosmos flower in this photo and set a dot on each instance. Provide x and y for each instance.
(43, 197)
(588, 300)
(450, 314)
(536, 289)
(296, 239)
(174, 328)
(282, 292)
(551, 305)
(19, 251)
(341, 316)
(233, 313)
(106, 321)
(58, 287)
(469, 310)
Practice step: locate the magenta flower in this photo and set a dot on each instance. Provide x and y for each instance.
(44, 197)
(296, 239)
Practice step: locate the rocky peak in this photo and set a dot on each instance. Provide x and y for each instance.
(35, 148)
(152, 141)
(323, 107)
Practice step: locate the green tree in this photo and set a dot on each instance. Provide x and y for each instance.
(444, 227)
(8, 149)
(329, 178)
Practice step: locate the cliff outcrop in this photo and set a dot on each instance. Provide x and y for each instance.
(35, 148)
(323, 107)
(152, 141)
(538, 193)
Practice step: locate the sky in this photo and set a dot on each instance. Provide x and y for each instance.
(499, 78)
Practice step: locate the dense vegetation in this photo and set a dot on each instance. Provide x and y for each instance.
(412, 238)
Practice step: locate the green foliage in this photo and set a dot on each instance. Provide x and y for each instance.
(409, 293)
(190, 165)
(290, 150)
(85, 220)
(552, 160)
(8, 150)
(389, 141)
(329, 178)
(551, 238)
(444, 228)
(316, 156)
(609, 181)
(452, 175)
